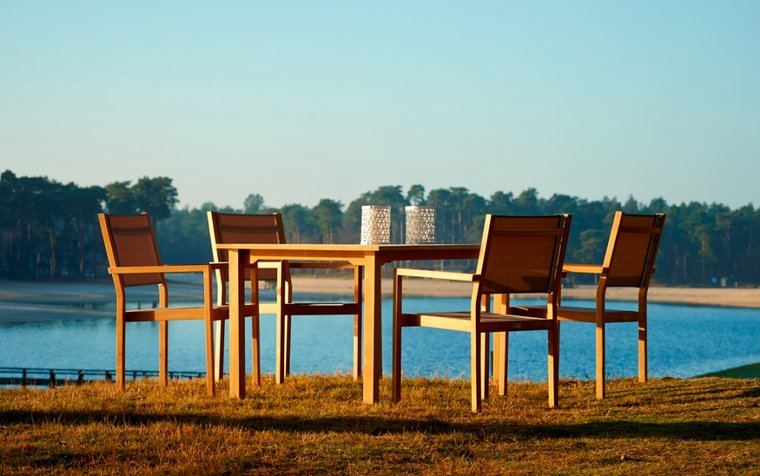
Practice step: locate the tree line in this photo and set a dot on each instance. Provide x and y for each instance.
(50, 230)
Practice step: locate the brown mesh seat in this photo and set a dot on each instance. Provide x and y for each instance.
(628, 262)
(268, 229)
(517, 255)
(133, 261)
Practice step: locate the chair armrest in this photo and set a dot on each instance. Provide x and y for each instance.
(291, 265)
(166, 268)
(303, 265)
(218, 265)
(430, 274)
(314, 265)
(583, 268)
(259, 264)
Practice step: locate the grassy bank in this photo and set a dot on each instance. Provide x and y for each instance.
(745, 371)
(318, 425)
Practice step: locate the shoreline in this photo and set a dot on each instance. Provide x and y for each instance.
(719, 297)
(24, 301)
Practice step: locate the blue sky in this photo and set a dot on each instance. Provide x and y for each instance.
(299, 101)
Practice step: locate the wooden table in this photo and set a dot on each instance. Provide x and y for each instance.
(370, 257)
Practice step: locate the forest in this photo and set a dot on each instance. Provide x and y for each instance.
(49, 230)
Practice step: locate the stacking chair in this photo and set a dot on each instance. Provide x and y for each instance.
(628, 262)
(517, 255)
(133, 261)
(268, 229)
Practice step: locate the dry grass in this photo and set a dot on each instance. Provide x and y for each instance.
(318, 425)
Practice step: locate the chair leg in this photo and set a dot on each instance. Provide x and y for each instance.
(475, 369)
(396, 368)
(643, 349)
(501, 354)
(219, 351)
(163, 353)
(600, 350)
(357, 347)
(287, 297)
(485, 347)
(210, 380)
(495, 363)
(501, 346)
(120, 352)
(288, 335)
(255, 351)
(553, 381)
(280, 346)
(358, 324)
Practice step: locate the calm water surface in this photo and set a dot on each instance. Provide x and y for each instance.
(684, 341)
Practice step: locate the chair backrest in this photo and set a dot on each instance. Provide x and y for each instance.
(130, 241)
(523, 254)
(632, 249)
(244, 228)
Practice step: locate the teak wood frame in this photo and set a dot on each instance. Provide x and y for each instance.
(517, 255)
(628, 262)
(133, 259)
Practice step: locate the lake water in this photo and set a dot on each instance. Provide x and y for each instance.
(684, 341)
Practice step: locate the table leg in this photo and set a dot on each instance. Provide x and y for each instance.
(373, 348)
(237, 324)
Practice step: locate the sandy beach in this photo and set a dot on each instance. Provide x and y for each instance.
(43, 300)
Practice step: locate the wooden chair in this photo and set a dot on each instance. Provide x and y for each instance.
(517, 255)
(628, 262)
(134, 261)
(250, 228)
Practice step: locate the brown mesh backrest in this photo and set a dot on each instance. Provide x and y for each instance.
(245, 228)
(523, 254)
(632, 249)
(130, 241)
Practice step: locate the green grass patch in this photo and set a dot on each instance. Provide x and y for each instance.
(318, 425)
(745, 371)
